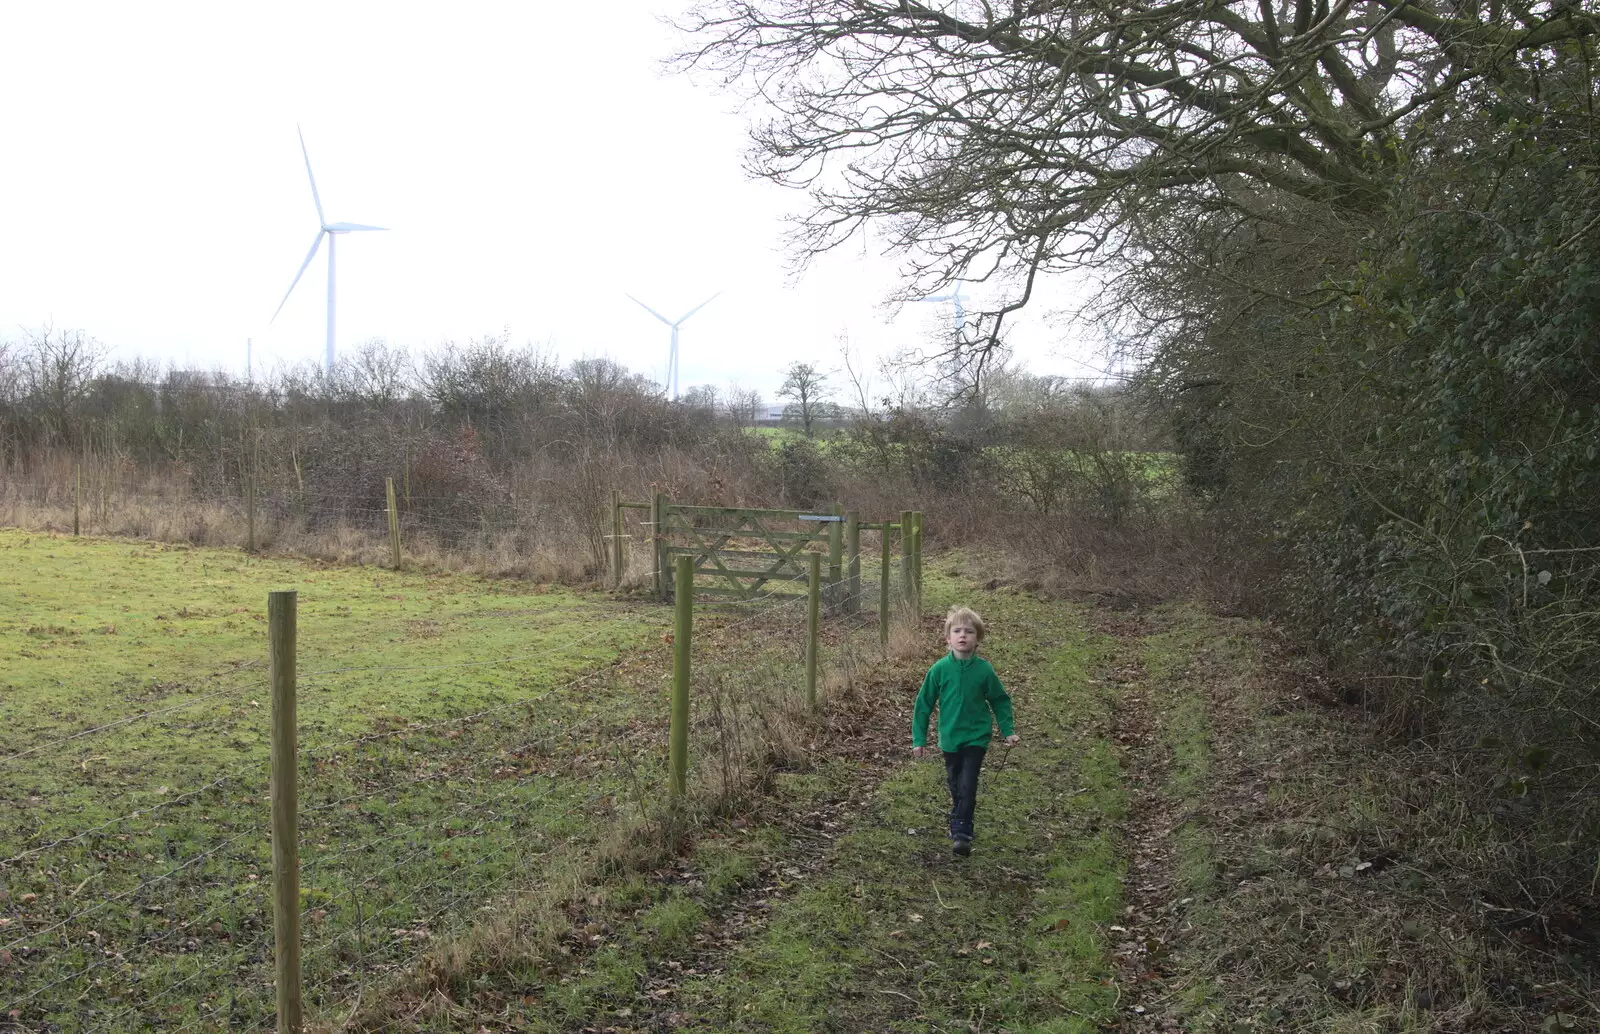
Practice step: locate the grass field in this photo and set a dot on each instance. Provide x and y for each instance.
(133, 745)
(1192, 836)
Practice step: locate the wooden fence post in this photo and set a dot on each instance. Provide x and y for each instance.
(813, 621)
(852, 553)
(616, 538)
(77, 493)
(255, 487)
(250, 511)
(658, 513)
(281, 634)
(916, 563)
(835, 555)
(883, 588)
(394, 523)
(682, 633)
(906, 583)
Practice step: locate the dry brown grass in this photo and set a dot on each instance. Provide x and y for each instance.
(1344, 881)
(496, 553)
(907, 641)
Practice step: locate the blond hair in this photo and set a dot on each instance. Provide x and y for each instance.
(964, 615)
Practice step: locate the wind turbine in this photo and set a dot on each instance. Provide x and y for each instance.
(324, 229)
(961, 313)
(672, 354)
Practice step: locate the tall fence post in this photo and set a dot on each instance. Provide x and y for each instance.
(852, 554)
(916, 562)
(907, 595)
(658, 510)
(813, 621)
(394, 523)
(281, 633)
(835, 555)
(616, 537)
(883, 588)
(77, 494)
(682, 634)
(255, 486)
(250, 512)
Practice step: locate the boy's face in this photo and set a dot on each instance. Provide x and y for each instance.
(962, 639)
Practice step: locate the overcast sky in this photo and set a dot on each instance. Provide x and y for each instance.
(532, 161)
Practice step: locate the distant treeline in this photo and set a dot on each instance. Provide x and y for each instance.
(490, 435)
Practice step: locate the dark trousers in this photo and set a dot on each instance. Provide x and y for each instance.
(961, 772)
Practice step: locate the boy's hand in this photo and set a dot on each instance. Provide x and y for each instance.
(916, 752)
(1013, 740)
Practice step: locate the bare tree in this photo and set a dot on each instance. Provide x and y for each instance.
(56, 370)
(1005, 140)
(871, 425)
(855, 369)
(10, 372)
(744, 405)
(704, 397)
(807, 390)
(374, 373)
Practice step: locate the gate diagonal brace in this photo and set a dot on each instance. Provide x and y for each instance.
(789, 556)
(783, 557)
(707, 551)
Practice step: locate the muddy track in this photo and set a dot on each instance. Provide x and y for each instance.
(1141, 944)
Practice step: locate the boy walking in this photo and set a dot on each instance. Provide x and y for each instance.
(970, 699)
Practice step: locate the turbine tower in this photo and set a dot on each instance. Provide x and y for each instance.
(672, 352)
(324, 229)
(961, 312)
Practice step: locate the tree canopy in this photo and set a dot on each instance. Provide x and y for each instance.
(1008, 139)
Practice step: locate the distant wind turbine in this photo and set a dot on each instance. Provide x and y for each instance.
(961, 312)
(325, 229)
(672, 354)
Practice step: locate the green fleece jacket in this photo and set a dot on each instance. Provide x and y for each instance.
(966, 692)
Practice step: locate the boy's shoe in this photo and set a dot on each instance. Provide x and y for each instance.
(961, 848)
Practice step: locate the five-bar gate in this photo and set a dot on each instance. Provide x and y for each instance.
(744, 553)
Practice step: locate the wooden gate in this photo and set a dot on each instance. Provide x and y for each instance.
(744, 553)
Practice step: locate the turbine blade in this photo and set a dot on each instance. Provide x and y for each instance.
(349, 227)
(321, 220)
(309, 256)
(697, 308)
(647, 308)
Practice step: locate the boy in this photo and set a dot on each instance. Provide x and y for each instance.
(967, 693)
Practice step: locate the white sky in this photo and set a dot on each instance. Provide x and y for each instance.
(531, 160)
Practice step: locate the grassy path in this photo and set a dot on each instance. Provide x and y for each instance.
(892, 933)
(1194, 837)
